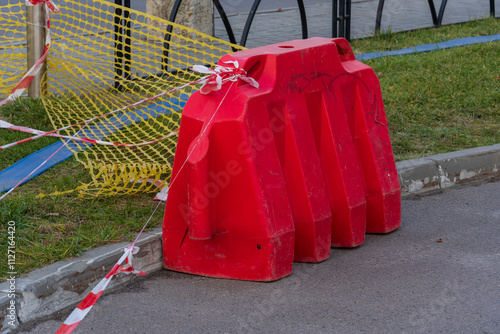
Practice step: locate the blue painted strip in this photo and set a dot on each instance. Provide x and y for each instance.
(431, 47)
(108, 126)
(13, 174)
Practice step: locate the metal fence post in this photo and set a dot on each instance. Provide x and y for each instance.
(35, 32)
(341, 16)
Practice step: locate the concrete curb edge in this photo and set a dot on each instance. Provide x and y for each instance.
(63, 284)
(448, 169)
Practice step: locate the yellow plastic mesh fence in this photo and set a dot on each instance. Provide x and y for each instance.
(105, 57)
(12, 44)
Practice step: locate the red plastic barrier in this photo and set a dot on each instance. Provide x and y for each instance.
(283, 172)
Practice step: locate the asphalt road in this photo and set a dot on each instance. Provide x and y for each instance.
(439, 273)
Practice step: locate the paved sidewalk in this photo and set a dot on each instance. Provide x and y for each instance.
(271, 27)
(438, 273)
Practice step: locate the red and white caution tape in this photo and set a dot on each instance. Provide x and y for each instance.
(40, 134)
(212, 82)
(33, 71)
(39, 166)
(86, 304)
(48, 3)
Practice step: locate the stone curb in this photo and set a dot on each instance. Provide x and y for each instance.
(448, 169)
(63, 284)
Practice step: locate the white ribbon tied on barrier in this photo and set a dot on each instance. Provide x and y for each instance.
(222, 74)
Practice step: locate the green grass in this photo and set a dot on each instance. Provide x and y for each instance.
(55, 228)
(436, 102)
(50, 229)
(388, 40)
(442, 101)
(439, 101)
(27, 112)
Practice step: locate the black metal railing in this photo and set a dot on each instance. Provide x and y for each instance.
(227, 25)
(248, 23)
(341, 19)
(123, 55)
(173, 15)
(341, 27)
